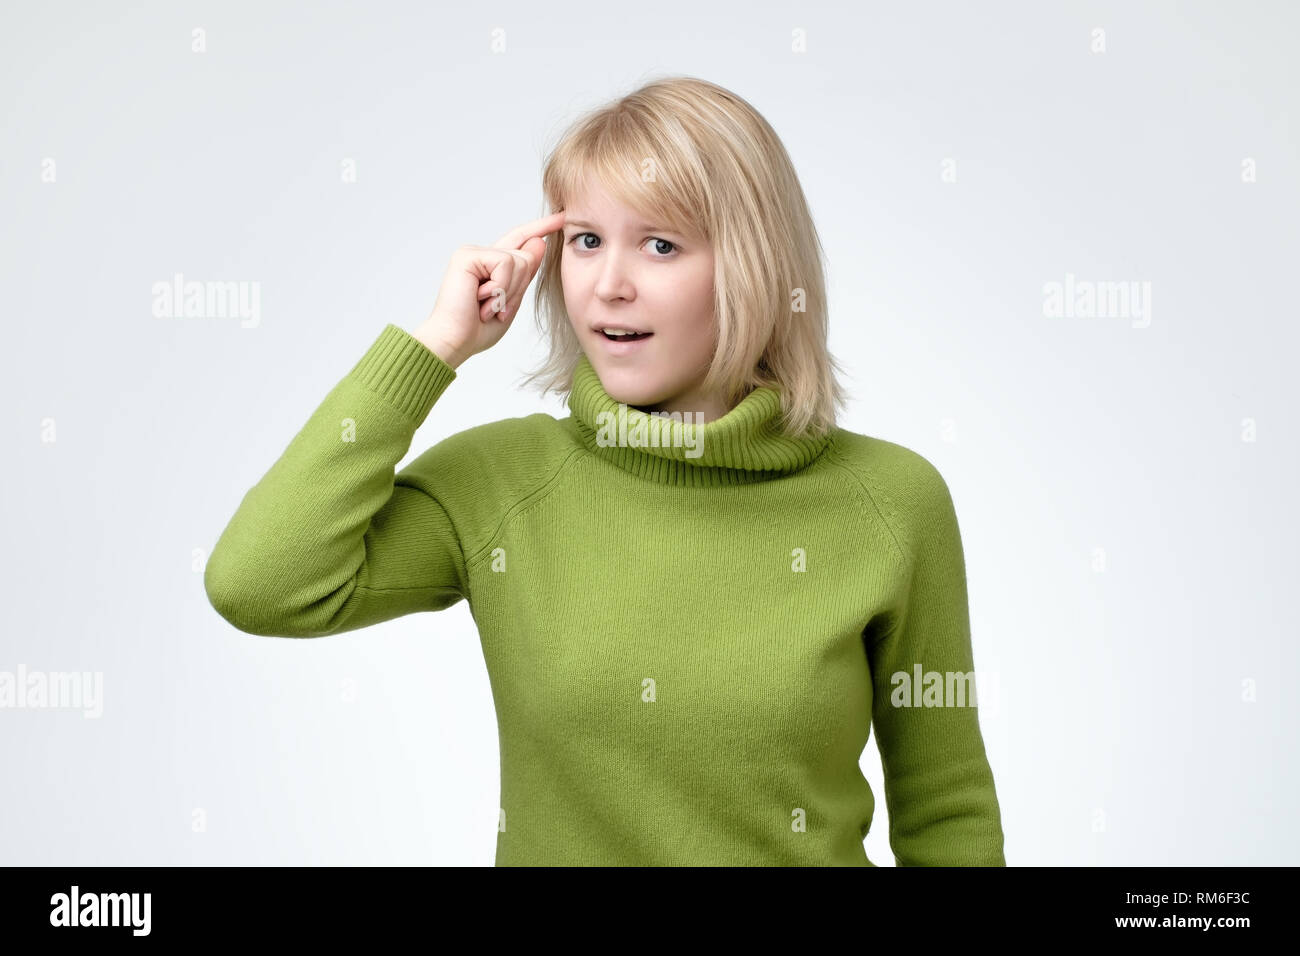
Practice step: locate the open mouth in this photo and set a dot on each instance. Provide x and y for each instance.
(625, 336)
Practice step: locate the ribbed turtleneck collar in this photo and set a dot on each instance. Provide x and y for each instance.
(744, 445)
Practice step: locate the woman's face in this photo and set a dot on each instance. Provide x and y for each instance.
(620, 272)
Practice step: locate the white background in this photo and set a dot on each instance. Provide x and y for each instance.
(1130, 556)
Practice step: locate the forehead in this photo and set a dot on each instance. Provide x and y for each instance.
(592, 205)
(594, 202)
(615, 218)
(586, 221)
(588, 208)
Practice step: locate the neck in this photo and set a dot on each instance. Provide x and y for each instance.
(741, 445)
(699, 410)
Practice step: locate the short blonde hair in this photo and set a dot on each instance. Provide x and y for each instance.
(697, 158)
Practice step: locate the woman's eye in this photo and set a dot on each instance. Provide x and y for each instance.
(658, 244)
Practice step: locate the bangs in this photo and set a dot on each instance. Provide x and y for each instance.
(622, 159)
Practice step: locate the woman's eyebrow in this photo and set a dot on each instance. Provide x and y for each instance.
(641, 227)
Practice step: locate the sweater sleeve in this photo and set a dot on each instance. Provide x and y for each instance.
(330, 540)
(939, 792)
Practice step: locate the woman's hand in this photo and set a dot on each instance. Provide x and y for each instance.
(482, 289)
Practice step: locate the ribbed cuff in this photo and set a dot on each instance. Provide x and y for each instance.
(402, 369)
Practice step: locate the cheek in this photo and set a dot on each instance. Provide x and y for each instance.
(568, 286)
(571, 275)
(700, 289)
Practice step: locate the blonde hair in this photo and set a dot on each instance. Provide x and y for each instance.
(697, 158)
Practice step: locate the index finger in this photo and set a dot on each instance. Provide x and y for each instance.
(517, 236)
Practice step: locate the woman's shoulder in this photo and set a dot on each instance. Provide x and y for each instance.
(901, 481)
(498, 463)
(882, 458)
(526, 437)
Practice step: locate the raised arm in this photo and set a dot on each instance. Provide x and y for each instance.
(330, 540)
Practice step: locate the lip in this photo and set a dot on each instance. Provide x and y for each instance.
(616, 327)
(621, 348)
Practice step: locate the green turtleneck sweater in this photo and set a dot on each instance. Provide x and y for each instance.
(687, 644)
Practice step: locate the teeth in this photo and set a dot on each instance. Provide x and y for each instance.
(621, 332)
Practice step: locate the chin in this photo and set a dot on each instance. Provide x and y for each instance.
(630, 386)
(634, 397)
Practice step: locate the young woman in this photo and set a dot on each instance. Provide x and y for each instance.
(695, 594)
